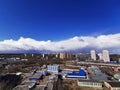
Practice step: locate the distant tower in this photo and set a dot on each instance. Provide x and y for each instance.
(100, 56)
(56, 56)
(32, 55)
(93, 55)
(105, 55)
(25, 55)
(43, 55)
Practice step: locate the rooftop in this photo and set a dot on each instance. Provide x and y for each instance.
(89, 81)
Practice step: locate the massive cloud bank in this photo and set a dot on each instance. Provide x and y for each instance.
(111, 42)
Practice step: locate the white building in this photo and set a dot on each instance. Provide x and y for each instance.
(93, 55)
(105, 56)
(43, 55)
(25, 55)
(53, 68)
(32, 55)
(100, 56)
(56, 55)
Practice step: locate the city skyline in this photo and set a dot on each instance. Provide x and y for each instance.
(63, 25)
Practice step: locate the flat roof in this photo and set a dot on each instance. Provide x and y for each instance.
(89, 81)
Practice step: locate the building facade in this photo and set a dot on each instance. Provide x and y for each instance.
(53, 68)
(63, 55)
(105, 56)
(93, 55)
(88, 83)
(100, 56)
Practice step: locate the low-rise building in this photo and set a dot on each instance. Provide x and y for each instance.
(89, 83)
(53, 68)
(80, 74)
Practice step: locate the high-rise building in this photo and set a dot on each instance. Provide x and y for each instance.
(43, 55)
(63, 55)
(69, 56)
(56, 55)
(25, 55)
(105, 56)
(93, 55)
(119, 60)
(32, 55)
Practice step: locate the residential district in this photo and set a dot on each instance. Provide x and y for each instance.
(60, 71)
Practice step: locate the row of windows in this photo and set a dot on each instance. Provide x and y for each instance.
(90, 84)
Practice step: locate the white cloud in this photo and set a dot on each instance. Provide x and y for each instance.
(111, 41)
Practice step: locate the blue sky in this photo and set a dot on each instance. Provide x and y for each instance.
(59, 25)
(58, 19)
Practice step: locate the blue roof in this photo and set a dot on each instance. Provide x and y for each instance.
(81, 73)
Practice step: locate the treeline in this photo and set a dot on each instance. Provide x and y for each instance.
(115, 57)
(28, 66)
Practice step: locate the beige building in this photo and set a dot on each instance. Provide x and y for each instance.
(69, 56)
(64, 55)
(119, 60)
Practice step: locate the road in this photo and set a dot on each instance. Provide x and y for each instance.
(58, 84)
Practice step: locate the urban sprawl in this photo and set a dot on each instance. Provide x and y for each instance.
(60, 71)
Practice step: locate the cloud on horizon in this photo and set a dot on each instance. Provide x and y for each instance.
(110, 42)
